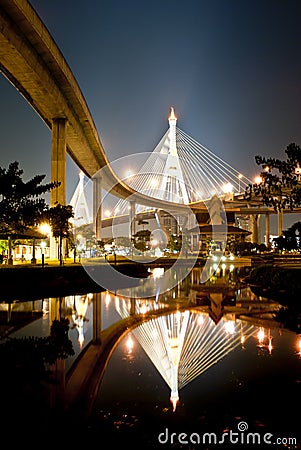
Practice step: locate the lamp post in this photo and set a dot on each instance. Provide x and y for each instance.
(239, 181)
(43, 246)
(114, 251)
(33, 259)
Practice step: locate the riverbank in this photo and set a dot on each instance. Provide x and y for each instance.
(280, 283)
(28, 281)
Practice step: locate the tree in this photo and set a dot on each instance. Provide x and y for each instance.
(290, 239)
(141, 238)
(174, 243)
(58, 217)
(280, 185)
(21, 204)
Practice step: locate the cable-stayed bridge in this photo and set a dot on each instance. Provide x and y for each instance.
(181, 170)
(31, 60)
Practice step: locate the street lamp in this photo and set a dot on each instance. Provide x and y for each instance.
(227, 188)
(239, 176)
(45, 228)
(298, 172)
(258, 179)
(113, 246)
(43, 246)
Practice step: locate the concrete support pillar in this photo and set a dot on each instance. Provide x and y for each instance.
(267, 230)
(255, 228)
(97, 313)
(58, 369)
(133, 306)
(58, 161)
(280, 222)
(97, 203)
(132, 219)
(58, 171)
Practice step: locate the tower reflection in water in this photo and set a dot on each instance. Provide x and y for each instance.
(184, 344)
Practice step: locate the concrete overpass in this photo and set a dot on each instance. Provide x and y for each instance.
(33, 63)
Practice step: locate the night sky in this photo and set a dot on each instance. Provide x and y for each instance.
(231, 69)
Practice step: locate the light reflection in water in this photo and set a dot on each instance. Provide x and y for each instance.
(181, 346)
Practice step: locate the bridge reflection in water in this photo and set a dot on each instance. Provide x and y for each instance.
(135, 356)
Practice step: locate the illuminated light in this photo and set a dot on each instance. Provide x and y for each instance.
(230, 327)
(260, 335)
(231, 268)
(174, 399)
(224, 266)
(172, 115)
(239, 176)
(45, 228)
(129, 344)
(81, 340)
(258, 179)
(227, 188)
(231, 257)
(154, 183)
(270, 346)
(107, 299)
(107, 213)
(242, 339)
(129, 173)
(200, 320)
(78, 315)
(299, 345)
(158, 272)
(215, 266)
(143, 309)
(223, 258)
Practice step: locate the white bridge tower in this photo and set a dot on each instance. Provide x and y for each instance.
(172, 183)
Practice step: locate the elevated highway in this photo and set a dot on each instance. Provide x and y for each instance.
(33, 63)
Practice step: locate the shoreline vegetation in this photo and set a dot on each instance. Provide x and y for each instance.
(280, 283)
(283, 285)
